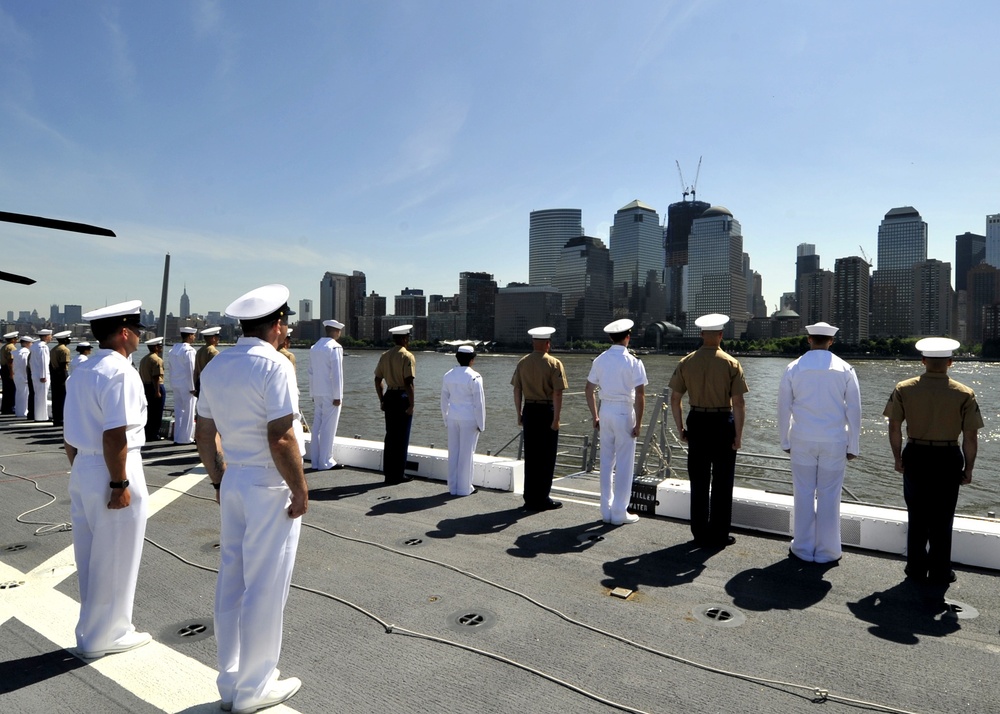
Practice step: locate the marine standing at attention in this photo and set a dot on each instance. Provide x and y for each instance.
(715, 385)
(539, 381)
(326, 386)
(7, 372)
(105, 416)
(937, 410)
(38, 363)
(180, 361)
(397, 367)
(19, 368)
(621, 377)
(819, 424)
(463, 406)
(249, 441)
(151, 373)
(59, 372)
(205, 354)
(286, 348)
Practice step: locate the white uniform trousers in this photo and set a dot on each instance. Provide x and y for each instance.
(258, 543)
(326, 417)
(108, 546)
(817, 477)
(463, 436)
(617, 458)
(184, 411)
(41, 399)
(21, 398)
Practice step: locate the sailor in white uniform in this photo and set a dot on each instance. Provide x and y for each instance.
(83, 351)
(20, 367)
(326, 386)
(180, 365)
(621, 377)
(105, 415)
(39, 363)
(248, 439)
(819, 424)
(463, 406)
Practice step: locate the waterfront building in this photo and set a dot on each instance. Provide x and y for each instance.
(993, 240)
(970, 251)
(933, 298)
(370, 325)
(412, 302)
(584, 277)
(419, 331)
(806, 262)
(442, 318)
(636, 248)
(815, 297)
(476, 305)
(305, 310)
(983, 291)
(902, 243)
(548, 231)
(851, 285)
(680, 217)
(715, 271)
(519, 307)
(73, 314)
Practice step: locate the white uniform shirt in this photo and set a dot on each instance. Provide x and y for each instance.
(104, 393)
(462, 396)
(20, 365)
(617, 372)
(79, 359)
(39, 361)
(243, 389)
(326, 369)
(819, 400)
(180, 361)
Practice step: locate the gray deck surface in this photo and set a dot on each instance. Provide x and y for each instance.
(857, 630)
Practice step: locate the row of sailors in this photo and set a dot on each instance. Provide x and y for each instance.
(29, 370)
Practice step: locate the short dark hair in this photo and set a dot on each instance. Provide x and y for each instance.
(619, 336)
(261, 324)
(465, 358)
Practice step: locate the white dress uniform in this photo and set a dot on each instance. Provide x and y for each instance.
(243, 389)
(77, 361)
(20, 367)
(326, 383)
(617, 373)
(180, 362)
(105, 393)
(39, 361)
(819, 421)
(463, 406)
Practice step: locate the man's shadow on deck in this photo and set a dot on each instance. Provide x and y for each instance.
(789, 584)
(556, 541)
(27, 671)
(906, 610)
(669, 567)
(343, 490)
(478, 523)
(408, 505)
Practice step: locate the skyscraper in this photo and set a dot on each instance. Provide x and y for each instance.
(680, 216)
(983, 289)
(993, 240)
(357, 288)
(520, 307)
(410, 302)
(902, 243)
(342, 298)
(305, 311)
(185, 304)
(934, 299)
(715, 271)
(584, 278)
(815, 298)
(806, 261)
(970, 251)
(636, 246)
(850, 299)
(548, 232)
(476, 304)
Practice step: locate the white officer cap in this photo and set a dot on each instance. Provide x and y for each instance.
(260, 302)
(152, 342)
(10, 335)
(466, 349)
(401, 330)
(937, 346)
(188, 330)
(62, 335)
(541, 333)
(623, 325)
(822, 329)
(711, 323)
(27, 338)
(335, 324)
(128, 312)
(44, 332)
(211, 330)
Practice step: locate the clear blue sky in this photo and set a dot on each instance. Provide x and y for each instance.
(260, 141)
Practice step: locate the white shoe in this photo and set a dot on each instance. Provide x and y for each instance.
(280, 691)
(629, 518)
(130, 642)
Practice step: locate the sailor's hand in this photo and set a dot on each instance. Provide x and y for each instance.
(120, 498)
(299, 505)
(966, 478)
(899, 464)
(336, 402)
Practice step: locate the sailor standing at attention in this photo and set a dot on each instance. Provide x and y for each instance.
(105, 416)
(19, 368)
(38, 362)
(819, 424)
(83, 351)
(205, 354)
(397, 367)
(180, 362)
(59, 372)
(463, 406)
(249, 442)
(715, 385)
(151, 373)
(326, 386)
(621, 377)
(539, 381)
(7, 373)
(937, 410)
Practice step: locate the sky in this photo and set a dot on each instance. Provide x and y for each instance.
(261, 142)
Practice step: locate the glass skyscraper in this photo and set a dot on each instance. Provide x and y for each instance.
(584, 279)
(548, 232)
(637, 254)
(902, 244)
(715, 272)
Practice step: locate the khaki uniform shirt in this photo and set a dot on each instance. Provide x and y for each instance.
(539, 375)
(288, 354)
(202, 357)
(935, 407)
(395, 365)
(710, 377)
(61, 357)
(151, 369)
(7, 358)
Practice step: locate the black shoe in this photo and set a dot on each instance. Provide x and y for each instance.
(336, 467)
(915, 576)
(549, 505)
(946, 579)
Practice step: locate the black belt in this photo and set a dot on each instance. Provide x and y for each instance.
(537, 401)
(925, 442)
(711, 410)
(393, 389)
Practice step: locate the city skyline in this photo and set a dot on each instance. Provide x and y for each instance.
(171, 126)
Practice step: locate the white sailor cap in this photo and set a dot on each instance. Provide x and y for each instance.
(10, 335)
(211, 330)
(711, 323)
(188, 330)
(260, 302)
(618, 326)
(937, 346)
(27, 338)
(44, 332)
(541, 333)
(400, 330)
(62, 335)
(337, 324)
(155, 341)
(822, 329)
(129, 313)
(83, 346)
(466, 349)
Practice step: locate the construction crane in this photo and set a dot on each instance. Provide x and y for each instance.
(693, 188)
(865, 255)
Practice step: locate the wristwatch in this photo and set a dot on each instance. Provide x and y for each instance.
(119, 484)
